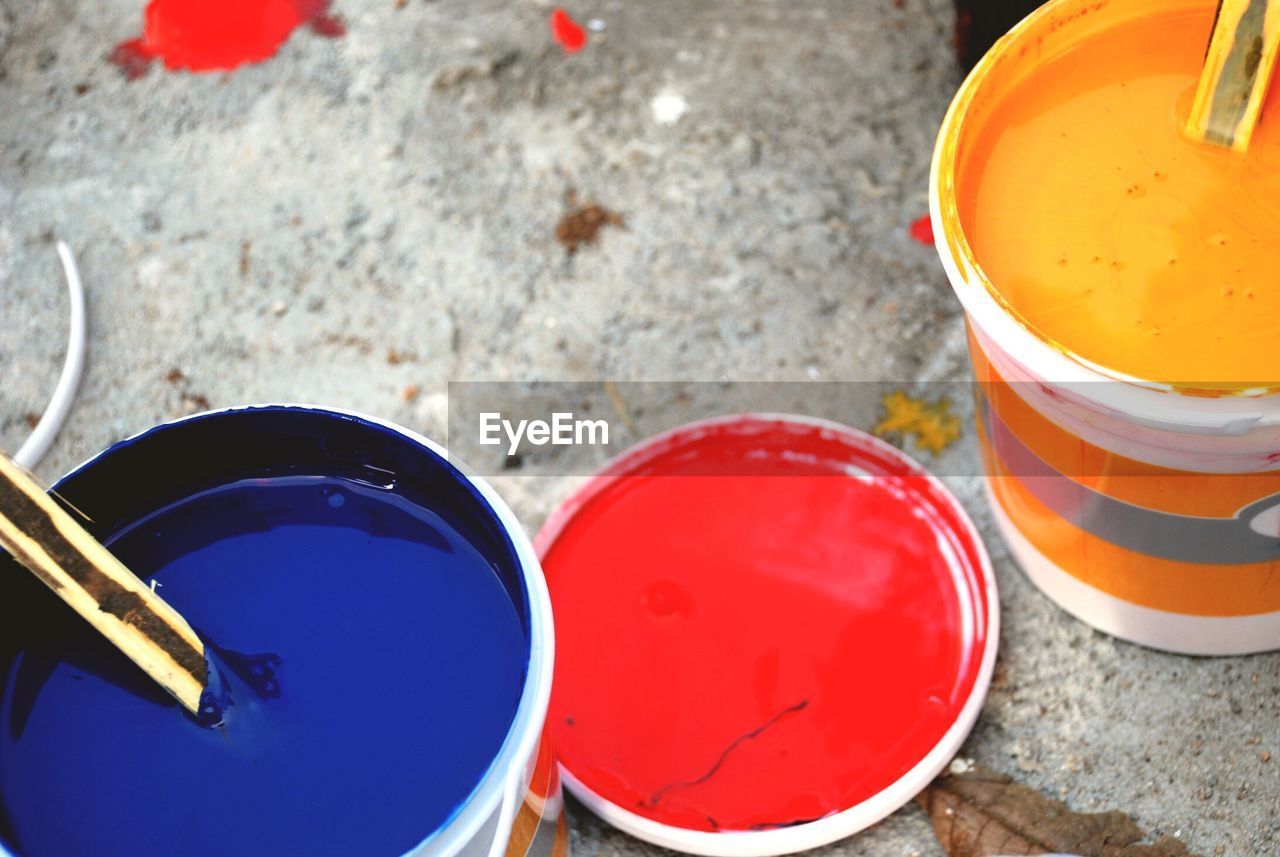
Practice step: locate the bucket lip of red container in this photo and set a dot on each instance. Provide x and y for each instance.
(813, 834)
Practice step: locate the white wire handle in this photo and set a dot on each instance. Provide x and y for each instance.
(512, 797)
(30, 453)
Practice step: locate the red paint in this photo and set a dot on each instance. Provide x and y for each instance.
(132, 57)
(746, 637)
(328, 26)
(567, 32)
(922, 230)
(218, 35)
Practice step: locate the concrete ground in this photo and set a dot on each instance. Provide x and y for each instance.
(373, 213)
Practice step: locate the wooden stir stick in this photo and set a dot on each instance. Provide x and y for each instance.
(1237, 73)
(41, 535)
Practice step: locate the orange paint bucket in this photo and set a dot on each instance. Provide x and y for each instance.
(1120, 285)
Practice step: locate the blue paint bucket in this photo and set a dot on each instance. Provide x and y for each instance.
(379, 618)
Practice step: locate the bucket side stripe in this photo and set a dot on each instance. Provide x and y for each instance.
(1166, 535)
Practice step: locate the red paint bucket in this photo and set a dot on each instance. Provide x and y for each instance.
(772, 632)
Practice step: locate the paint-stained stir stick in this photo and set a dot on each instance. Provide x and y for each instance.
(1237, 73)
(41, 535)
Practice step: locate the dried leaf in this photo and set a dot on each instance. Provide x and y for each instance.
(932, 424)
(981, 813)
(582, 224)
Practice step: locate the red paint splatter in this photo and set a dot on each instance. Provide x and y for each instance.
(328, 26)
(567, 32)
(219, 35)
(922, 230)
(132, 58)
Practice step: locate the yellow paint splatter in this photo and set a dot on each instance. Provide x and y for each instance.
(932, 424)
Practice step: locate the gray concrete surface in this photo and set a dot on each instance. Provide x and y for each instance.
(275, 233)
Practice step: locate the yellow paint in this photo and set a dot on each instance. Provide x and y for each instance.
(932, 424)
(1098, 223)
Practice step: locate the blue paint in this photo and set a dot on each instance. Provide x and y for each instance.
(362, 609)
